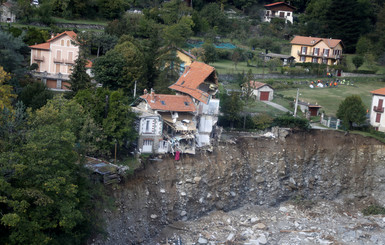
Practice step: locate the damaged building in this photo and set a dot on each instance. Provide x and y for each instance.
(181, 122)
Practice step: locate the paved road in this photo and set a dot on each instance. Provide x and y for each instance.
(279, 107)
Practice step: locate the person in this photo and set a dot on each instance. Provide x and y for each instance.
(335, 84)
(331, 84)
(311, 86)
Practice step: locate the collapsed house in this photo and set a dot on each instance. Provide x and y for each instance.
(181, 122)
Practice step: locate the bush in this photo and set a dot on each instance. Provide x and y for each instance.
(291, 122)
(374, 210)
(224, 54)
(364, 71)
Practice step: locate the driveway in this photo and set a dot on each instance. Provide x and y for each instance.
(275, 105)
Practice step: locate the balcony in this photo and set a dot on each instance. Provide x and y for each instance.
(313, 55)
(57, 60)
(38, 58)
(378, 109)
(69, 61)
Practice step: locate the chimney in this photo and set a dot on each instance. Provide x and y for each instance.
(152, 95)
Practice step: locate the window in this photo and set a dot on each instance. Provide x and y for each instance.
(70, 56)
(380, 102)
(267, 13)
(58, 55)
(316, 51)
(186, 103)
(62, 42)
(149, 126)
(302, 58)
(163, 103)
(68, 43)
(326, 52)
(57, 68)
(315, 60)
(378, 117)
(303, 50)
(281, 14)
(58, 84)
(324, 61)
(288, 14)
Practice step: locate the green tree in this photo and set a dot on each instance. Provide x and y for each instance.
(178, 33)
(351, 110)
(210, 54)
(35, 95)
(231, 105)
(247, 85)
(358, 60)
(79, 78)
(6, 95)
(12, 51)
(44, 195)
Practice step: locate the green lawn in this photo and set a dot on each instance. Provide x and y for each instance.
(330, 98)
(259, 107)
(227, 67)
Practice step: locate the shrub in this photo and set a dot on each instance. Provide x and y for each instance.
(291, 122)
(374, 210)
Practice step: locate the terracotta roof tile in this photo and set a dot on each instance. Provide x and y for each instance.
(311, 41)
(192, 78)
(257, 85)
(279, 3)
(168, 102)
(46, 45)
(380, 91)
(89, 64)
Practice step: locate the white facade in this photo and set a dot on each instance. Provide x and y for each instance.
(150, 131)
(286, 15)
(262, 92)
(208, 118)
(377, 118)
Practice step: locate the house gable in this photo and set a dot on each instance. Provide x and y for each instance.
(198, 80)
(280, 6)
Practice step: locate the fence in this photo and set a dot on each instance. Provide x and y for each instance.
(330, 122)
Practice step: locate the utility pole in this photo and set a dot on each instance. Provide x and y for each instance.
(296, 103)
(135, 90)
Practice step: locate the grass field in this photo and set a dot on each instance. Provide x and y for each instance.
(330, 98)
(227, 67)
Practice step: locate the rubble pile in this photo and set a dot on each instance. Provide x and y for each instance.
(322, 222)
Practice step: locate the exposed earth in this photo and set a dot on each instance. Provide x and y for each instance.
(283, 187)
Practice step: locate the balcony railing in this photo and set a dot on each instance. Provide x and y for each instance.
(57, 60)
(38, 58)
(378, 109)
(69, 61)
(313, 55)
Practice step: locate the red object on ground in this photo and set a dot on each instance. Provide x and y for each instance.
(177, 155)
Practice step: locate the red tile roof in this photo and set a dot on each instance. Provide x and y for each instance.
(89, 64)
(46, 45)
(311, 41)
(279, 3)
(257, 85)
(192, 78)
(168, 102)
(380, 91)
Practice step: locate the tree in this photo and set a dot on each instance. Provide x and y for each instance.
(35, 95)
(177, 34)
(44, 193)
(12, 51)
(209, 53)
(79, 78)
(351, 110)
(358, 60)
(247, 85)
(231, 105)
(6, 95)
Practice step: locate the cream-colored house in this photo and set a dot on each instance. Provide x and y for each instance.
(55, 59)
(316, 50)
(377, 109)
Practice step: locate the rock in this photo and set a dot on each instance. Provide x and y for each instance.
(259, 179)
(190, 181)
(154, 216)
(162, 191)
(283, 209)
(233, 193)
(183, 213)
(260, 226)
(254, 219)
(183, 194)
(201, 240)
(230, 237)
(262, 239)
(197, 179)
